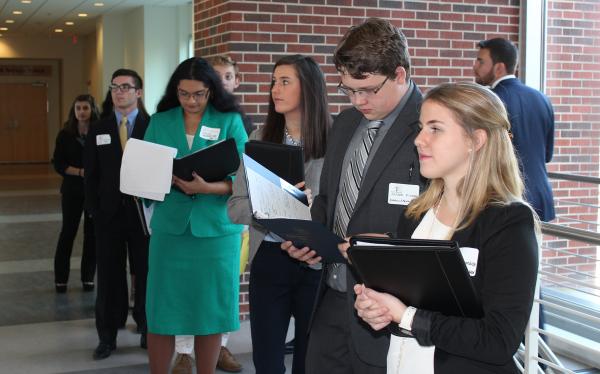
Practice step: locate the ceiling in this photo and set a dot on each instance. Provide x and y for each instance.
(42, 17)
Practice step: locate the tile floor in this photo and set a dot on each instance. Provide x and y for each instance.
(42, 332)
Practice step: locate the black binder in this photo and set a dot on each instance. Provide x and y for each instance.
(213, 163)
(427, 274)
(310, 234)
(287, 161)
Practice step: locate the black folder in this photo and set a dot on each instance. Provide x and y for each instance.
(427, 274)
(310, 234)
(213, 163)
(287, 161)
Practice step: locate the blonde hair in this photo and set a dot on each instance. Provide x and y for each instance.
(493, 177)
(224, 60)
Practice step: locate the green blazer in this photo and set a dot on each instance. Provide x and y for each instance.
(206, 214)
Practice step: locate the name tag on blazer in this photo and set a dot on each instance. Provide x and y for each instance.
(471, 256)
(102, 139)
(402, 194)
(209, 133)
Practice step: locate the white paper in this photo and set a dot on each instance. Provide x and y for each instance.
(147, 169)
(370, 244)
(271, 201)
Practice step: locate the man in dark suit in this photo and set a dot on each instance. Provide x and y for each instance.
(118, 225)
(370, 173)
(531, 117)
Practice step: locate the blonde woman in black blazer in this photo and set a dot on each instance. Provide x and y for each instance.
(474, 198)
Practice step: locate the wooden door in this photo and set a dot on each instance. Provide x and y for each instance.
(23, 122)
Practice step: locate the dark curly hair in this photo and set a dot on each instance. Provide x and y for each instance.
(198, 69)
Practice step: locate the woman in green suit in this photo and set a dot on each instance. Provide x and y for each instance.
(194, 256)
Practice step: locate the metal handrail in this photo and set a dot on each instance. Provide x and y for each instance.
(531, 359)
(571, 233)
(574, 177)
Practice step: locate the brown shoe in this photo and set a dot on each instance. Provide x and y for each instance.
(184, 364)
(227, 362)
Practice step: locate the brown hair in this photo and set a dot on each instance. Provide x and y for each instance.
(375, 47)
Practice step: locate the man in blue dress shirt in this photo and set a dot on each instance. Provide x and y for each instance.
(531, 116)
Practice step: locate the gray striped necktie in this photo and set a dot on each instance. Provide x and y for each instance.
(353, 179)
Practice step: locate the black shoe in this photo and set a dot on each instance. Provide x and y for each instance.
(88, 286)
(143, 341)
(103, 350)
(60, 287)
(289, 347)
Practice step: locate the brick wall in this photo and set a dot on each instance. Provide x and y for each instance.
(573, 85)
(442, 36)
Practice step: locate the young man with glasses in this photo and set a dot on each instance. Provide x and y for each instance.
(370, 174)
(118, 227)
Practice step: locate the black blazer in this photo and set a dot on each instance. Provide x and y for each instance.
(505, 280)
(68, 152)
(103, 165)
(396, 161)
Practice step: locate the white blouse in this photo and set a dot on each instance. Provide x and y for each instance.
(405, 355)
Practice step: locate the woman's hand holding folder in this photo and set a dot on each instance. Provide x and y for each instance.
(307, 192)
(199, 185)
(378, 309)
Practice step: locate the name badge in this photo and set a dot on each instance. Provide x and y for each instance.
(402, 194)
(209, 133)
(470, 256)
(102, 139)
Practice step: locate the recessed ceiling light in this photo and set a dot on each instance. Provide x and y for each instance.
(26, 1)
(3, 28)
(69, 23)
(58, 30)
(17, 12)
(10, 21)
(98, 4)
(82, 15)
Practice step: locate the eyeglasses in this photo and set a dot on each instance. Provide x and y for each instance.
(184, 95)
(361, 92)
(125, 87)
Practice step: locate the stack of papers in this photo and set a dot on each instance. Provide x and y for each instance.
(147, 169)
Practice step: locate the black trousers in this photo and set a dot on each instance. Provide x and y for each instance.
(72, 207)
(114, 236)
(330, 346)
(280, 287)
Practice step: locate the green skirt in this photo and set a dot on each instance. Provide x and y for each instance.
(193, 284)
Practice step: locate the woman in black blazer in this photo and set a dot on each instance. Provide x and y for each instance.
(68, 162)
(474, 198)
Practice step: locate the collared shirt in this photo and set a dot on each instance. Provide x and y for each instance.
(509, 76)
(336, 276)
(130, 120)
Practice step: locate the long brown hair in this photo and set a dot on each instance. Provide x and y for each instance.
(72, 122)
(315, 120)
